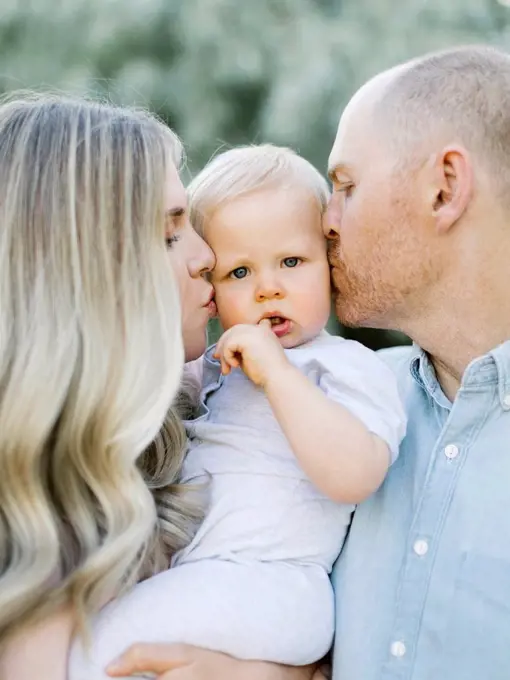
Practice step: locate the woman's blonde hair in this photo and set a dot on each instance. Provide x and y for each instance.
(90, 356)
(246, 169)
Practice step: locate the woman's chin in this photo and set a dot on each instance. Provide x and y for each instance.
(194, 349)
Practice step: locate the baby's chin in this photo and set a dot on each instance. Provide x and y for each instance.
(296, 339)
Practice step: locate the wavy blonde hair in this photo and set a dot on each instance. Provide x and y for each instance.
(90, 356)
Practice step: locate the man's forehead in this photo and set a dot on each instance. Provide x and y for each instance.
(351, 140)
(357, 121)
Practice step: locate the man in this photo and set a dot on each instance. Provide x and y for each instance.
(421, 177)
(419, 224)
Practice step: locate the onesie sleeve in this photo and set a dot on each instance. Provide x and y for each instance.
(355, 377)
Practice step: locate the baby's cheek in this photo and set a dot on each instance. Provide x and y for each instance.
(315, 308)
(231, 311)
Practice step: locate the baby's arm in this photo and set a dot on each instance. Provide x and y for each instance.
(39, 651)
(203, 664)
(335, 449)
(340, 452)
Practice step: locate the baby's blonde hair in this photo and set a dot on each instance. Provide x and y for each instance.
(90, 355)
(246, 169)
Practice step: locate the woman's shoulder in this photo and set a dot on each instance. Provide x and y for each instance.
(194, 370)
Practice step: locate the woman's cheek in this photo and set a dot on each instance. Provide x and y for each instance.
(182, 277)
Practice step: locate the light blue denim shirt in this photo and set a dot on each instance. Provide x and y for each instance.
(423, 582)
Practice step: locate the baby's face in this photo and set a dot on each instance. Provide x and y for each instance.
(271, 261)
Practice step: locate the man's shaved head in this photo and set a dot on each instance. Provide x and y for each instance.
(459, 96)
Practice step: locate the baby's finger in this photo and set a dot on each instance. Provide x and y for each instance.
(226, 360)
(225, 366)
(149, 659)
(232, 356)
(265, 323)
(218, 350)
(222, 343)
(220, 355)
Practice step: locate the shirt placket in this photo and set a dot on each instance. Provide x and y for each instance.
(447, 460)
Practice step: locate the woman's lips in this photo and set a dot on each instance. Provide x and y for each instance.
(211, 308)
(210, 305)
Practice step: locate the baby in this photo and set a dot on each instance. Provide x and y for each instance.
(294, 428)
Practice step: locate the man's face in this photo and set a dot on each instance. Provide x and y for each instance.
(377, 225)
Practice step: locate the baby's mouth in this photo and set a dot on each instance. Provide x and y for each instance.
(276, 320)
(280, 325)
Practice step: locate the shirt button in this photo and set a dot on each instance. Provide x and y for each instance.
(451, 451)
(421, 547)
(506, 402)
(398, 649)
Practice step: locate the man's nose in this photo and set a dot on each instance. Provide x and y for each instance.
(331, 221)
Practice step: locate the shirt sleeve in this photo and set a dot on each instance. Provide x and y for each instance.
(355, 377)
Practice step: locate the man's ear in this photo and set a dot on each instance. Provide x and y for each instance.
(453, 186)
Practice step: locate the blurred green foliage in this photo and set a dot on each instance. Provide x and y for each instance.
(224, 72)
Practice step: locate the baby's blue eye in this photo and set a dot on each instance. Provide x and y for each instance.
(239, 273)
(291, 261)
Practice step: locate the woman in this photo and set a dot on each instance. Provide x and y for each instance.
(91, 216)
(91, 203)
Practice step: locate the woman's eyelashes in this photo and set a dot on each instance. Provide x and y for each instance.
(175, 224)
(171, 240)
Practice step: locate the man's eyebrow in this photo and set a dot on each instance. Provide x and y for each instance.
(332, 173)
(175, 212)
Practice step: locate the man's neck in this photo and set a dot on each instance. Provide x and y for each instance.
(454, 337)
(465, 313)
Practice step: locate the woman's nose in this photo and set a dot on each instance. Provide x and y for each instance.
(203, 258)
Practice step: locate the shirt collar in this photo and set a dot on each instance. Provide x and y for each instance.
(501, 357)
(424, 374)
(492, 368)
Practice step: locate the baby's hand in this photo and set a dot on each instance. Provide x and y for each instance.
(255, 349)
